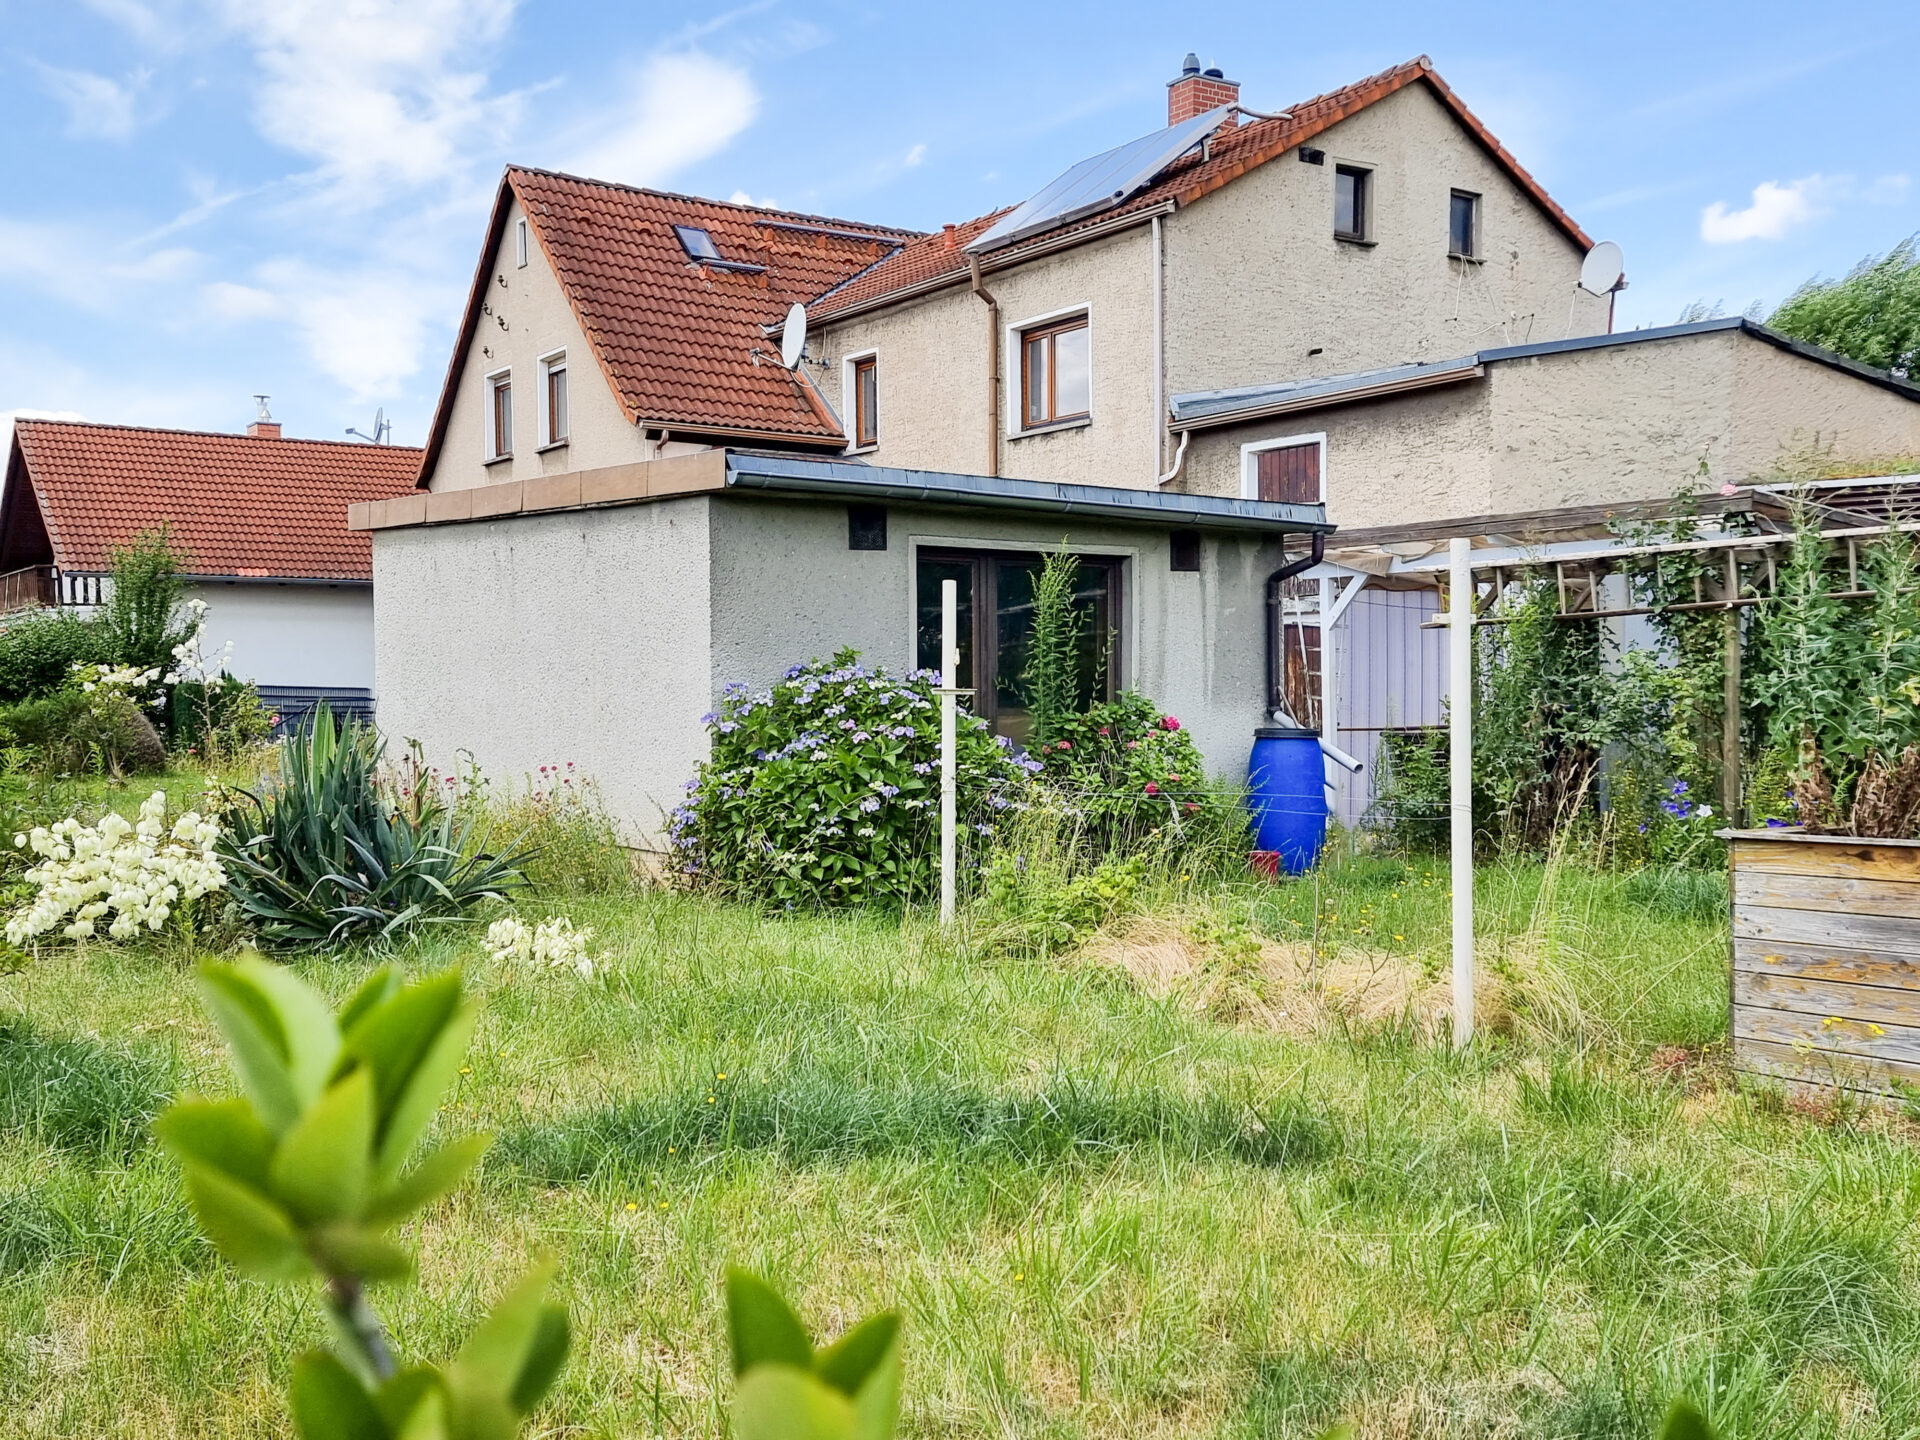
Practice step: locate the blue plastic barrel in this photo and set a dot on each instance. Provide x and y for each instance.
(1287, 789)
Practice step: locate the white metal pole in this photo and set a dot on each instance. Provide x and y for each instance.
(1460, 747)
(949, 673)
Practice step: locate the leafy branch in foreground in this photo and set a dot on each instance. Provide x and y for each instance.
(307, 1172)
(787, 1390)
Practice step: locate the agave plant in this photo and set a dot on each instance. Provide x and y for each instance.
(324, 857)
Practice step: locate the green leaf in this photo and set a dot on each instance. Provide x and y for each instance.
(244, 1225)
(312, 1036)
(378, 988)
(355, 1250)
(329, 1403)
(223, 1135)
(320, 1170)
(776, 1401)
(848, 1363)
(1342, 1431)
(255, 1035)
(434, 1176)
(1685, 1422)
(546, 1354)
(500, 1347)
(763, 1327)
(876, 1406)
(427, 1420)
(418, 1102)
(392, 1034)
(401, 1396)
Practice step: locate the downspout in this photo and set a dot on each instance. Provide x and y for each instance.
(993, 364)
(1159, 366)
(1274, 581)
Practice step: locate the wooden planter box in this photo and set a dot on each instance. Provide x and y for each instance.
(1826, 960)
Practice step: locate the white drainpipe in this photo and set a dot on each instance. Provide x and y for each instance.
(1159, 365)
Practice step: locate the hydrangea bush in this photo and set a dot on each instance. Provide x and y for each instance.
(1132, 773)
(137, 872)
(825, 789)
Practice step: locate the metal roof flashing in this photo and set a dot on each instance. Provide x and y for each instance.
(842, 479)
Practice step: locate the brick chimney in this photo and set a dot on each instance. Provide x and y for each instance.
(264, 426)
(1197, 91)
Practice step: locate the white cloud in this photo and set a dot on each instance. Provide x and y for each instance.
(79, 267)
(240, 302)
(1888, 190)
(685, 107)
(7, 417)
(365, 328)
(97, 108)
(1775, 210)
(741, 197)
(381, 93)
(915, 156)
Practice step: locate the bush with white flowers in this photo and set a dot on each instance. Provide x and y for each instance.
(137, 872)
(553, 943)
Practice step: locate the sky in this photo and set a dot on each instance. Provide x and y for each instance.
(211, 199)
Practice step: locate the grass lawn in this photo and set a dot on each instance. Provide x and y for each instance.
(1102, 1213)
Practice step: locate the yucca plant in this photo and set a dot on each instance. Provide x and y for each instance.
(324, 856)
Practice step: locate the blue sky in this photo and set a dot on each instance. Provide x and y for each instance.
(211, 198)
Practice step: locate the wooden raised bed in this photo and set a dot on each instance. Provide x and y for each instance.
(1826, 960)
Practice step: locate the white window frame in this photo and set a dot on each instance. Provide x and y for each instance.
(850, 403)
(487, 412)
(1014, 366)
(520, 246)
(1370, 206)
(1250, 467)
(549, 362)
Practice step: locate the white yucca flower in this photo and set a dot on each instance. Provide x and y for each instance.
(137, 872)
(553, 943)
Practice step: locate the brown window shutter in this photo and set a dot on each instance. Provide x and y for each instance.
(1289, 475)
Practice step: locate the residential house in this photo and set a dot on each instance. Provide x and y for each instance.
(261, 520)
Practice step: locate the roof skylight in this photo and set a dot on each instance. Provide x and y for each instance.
(696, 242)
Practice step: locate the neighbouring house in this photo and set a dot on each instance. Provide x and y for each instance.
(261, 520)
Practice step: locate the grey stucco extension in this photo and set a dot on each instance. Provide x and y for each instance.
(601, 636)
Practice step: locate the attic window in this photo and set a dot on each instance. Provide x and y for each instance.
(696, 242)
(520, 243)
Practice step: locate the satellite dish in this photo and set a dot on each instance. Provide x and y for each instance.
(1601, 271)
(793, 336)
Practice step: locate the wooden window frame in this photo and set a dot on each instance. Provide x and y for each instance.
(986, 632)
(499, 418)
(1250, 461)
(1049, 332)
(866, 417)
(554, 366)
(1362, 203)
(1472, 252)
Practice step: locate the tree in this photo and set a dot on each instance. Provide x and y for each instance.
(1873, 315)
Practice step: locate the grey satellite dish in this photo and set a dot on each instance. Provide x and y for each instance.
(793, 336)
(1601, 271)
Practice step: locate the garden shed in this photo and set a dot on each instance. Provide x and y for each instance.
(594, 616)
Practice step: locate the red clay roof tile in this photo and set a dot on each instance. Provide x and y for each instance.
(236, 505)
(930, 261)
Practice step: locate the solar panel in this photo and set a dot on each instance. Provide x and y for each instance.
(1103, 181)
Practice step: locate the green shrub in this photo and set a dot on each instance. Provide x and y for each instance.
(73, 733)
(327, 857)
(825, 789)
(1134, 774)
(1051, 681)
(216, 720)
(141, 623)
(38, 653)
(1412, 800)
(573, 844)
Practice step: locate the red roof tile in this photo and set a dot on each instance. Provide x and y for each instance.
(931, 261)
(682, 343)
(236, 505)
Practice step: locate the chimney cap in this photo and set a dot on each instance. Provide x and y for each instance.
(1214, 72)
(1190, 65)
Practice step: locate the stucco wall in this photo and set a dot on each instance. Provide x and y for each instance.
(292, 635)
(1636, 421)
(932, 377)
(786, 588)
(538, 320)
(1256, 280)
(541, 639)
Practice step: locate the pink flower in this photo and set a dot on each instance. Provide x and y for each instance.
(1133, 744)
(1169, 722)
(1173, 779)
(1105, 731)
(1152, 789)
(1191, 807)
(1066, 745)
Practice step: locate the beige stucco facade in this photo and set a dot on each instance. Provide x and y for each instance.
(1254, 289)
(525, 318)
(1632, 421)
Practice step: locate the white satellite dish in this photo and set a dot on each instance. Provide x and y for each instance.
(793, 336)
(1601, 271)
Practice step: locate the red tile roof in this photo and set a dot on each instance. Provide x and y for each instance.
(932, 261)
(236, 505)
(682, 343)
